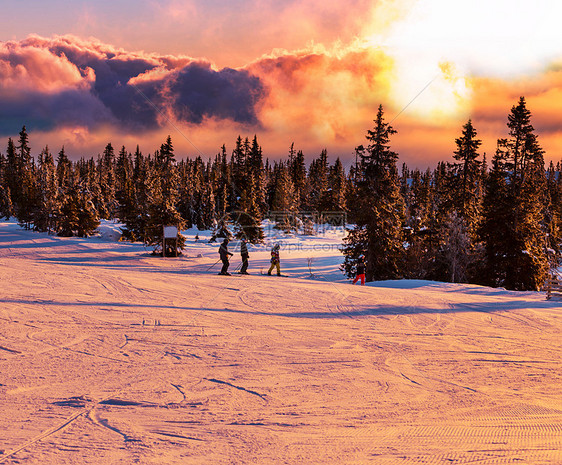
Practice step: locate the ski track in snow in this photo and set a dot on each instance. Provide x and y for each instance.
(108, 355)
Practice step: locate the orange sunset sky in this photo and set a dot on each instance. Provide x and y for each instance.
(81, 74)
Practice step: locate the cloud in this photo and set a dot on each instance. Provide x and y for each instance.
(323, 96)
(47, 83)
(199, 92)
(318, 97)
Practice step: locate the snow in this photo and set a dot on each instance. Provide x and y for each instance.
(111, 355)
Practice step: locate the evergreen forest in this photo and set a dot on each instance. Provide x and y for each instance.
(493, 222)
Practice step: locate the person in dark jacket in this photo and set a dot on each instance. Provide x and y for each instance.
(224, 254)
(244, 254)
(360, 271)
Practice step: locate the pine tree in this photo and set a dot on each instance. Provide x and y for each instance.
(318, 181)
(517, 258)
(78, 212)
(284, 202)
(136, 217)
(248, 218)
(106, 204)
(12, 177)
(466, 177)
(26, 195)
(337, 188)
(255, 160)
(297, 171)
(496, 229)
(380, 209)
(47, 203)
(6, 207)
(457, 211)
(126, 209)
(420, 257)
(247, 195)
(455, 254)
(63, 169)
(161, 207)
(553, 213)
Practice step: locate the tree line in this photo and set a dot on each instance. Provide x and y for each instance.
(463, 221)
(228, 192)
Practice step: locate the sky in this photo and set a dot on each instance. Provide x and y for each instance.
(81, 74)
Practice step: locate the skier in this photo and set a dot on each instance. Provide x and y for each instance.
(224, 254)
(360, 270)
(275, 260)
(245, 256)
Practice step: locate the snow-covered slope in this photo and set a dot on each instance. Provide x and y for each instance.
(111, 355)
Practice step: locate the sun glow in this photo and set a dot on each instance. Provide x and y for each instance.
(439, 45)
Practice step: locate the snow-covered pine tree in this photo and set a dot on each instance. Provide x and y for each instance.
(11, 176)
(48, 199)
(6, 207)
(248, 218)
(455, 255)
(26, 196)
(238, 172)
(124, 186)
(379, 211)
(78, 213)
(497, 221)
(161, 208)
(419, 203)
(441, 207)
(514, 230)
(465, 178)
(144, 183)
(553, 213)
(64, 167)
(187, 190)
(207, 207)
(297, 171)
(337, 188)
(255, 162)
(284, 203)
(107, 203)
(203, 196)
(318, 181)
(457, 211)
(247, 178)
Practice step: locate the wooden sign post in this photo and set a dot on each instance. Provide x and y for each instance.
(170, 232)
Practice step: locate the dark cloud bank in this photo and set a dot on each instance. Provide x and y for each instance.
(186, 90)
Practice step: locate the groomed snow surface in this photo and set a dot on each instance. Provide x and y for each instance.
(109, 355)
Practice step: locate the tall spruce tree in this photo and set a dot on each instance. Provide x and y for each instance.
(466, 174)
(64, 167)
(284, 202)
(12, 176)
(297, 170)
(161, 206)
(457, 211)
(48, 198)
(335, 200)
(247, 217)
(6, 207)
(318, 181)
(380, 209)
(25, 205)
(515, 205)
(497, 224)
(106, 204)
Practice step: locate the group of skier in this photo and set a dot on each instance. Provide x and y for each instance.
(225, 255)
